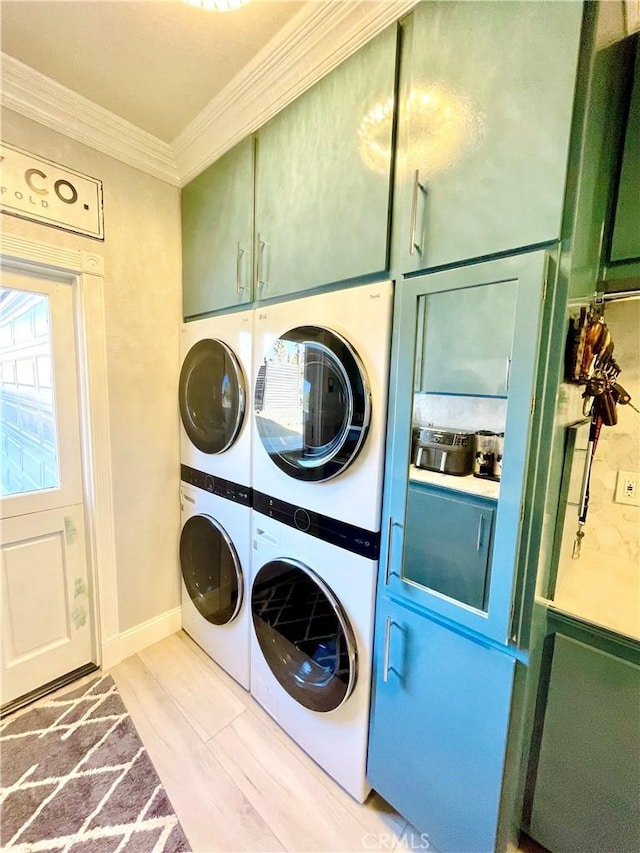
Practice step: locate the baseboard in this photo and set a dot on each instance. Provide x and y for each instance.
(136, 639)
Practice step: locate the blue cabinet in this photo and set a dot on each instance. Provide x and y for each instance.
(485, 112)
(439, 727)
(323, 178)
(448, 543)
(217, 234)
(489, 595)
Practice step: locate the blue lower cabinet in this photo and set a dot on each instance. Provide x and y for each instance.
(439, 722)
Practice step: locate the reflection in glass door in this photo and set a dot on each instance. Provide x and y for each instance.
(27, 423)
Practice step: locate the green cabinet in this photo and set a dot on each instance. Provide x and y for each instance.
(448, 543)
(485, 111)
(323, 179)
(439, 723)
(217, 234)
(625, 243)
(467, 340)
(586, 768)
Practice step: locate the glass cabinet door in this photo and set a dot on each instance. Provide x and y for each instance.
(452, 541)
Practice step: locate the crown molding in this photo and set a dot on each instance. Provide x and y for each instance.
(40, 98)
(314, 42)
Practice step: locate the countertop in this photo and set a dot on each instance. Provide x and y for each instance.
(469, 485)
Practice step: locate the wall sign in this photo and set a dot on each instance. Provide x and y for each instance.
(42, 191)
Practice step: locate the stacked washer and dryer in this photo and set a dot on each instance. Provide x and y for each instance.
(215, 490)
(283, 596)
(321, 367)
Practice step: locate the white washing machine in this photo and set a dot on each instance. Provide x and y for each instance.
(321, 372)
(312, 606)
(215, 562)
(214, 395)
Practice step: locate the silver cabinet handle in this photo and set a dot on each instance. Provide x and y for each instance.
(480, 533)
(507, 375)
(387, 646)
(240, 252)
(262, 244)
(387, 568)
(414, 212)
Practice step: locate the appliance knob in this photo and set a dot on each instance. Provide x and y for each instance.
(209, 483)
(301, 519)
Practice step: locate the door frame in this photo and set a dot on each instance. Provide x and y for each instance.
(84, 272)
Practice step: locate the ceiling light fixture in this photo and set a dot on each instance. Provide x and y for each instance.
(216, 5)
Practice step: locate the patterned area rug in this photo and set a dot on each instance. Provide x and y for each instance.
(74, 776)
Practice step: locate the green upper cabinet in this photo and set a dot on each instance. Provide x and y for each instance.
(485, 110)
(484, 315)
(217, 234)
(323, 178)
(625, 243)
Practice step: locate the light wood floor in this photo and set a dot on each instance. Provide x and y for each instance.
(236, 781)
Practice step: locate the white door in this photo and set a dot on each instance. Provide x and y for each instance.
(45, 604)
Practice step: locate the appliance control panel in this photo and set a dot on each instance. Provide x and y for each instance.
(366, 543)
(216, 485)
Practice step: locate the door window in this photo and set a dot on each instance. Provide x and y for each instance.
(211, 569)
(28, 418)
(312, 403)
(212, 396)
(304, 635)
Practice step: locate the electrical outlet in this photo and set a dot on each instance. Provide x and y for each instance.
(628, 488)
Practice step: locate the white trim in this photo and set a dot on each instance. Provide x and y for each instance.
(86, 270)
(314, 42)
(140, 637)
(37, 97)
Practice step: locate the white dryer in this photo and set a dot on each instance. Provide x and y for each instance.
(321, 369)
(214, 395)
(312, 607)
(215, 563)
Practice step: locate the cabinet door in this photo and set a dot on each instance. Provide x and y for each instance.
(485, 115)
(439, 723)
(625, 243)
(323, 177)
(525, 276)
(217, 234)
(588, 774)
(448, 544)
(466, 341)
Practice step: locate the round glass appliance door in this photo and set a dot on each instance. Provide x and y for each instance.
(212, 395)
(312, 403)
(211, 569)
(304, 635)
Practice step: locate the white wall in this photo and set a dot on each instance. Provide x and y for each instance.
(143, 315)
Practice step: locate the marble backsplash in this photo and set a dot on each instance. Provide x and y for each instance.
(603, 584)
(464, 413)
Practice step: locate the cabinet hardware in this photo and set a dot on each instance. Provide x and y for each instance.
(387, 569)
(387, 646)
(414, 212)
(507, 375)
(239, 254)
(262, 244)
(480, 532)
